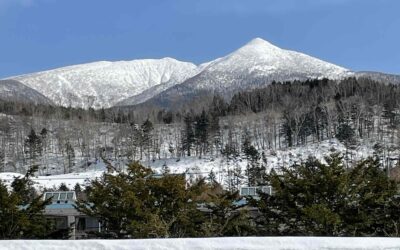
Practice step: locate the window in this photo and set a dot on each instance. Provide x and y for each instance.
(252, 191)
(244, 191)
(63, 196)
(70, 196)
(92, 224)
(81, 224)
(48, 196)
(60, 196)
(58, 222)
(266, 190)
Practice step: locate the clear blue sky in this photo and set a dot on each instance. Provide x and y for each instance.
(43, 34)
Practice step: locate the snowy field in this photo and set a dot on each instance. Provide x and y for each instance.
(248, 243)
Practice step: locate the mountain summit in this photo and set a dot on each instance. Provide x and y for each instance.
(259, 45)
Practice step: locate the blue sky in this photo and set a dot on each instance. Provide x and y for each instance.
(43, 34)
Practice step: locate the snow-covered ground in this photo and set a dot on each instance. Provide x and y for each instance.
(274, 159)
(201, 167)
(248, 243)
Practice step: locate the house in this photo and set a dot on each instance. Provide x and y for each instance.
(63, 213)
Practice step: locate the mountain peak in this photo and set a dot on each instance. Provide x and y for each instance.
(259, 42)
(257, 47)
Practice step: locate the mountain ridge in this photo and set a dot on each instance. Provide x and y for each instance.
(104, 84)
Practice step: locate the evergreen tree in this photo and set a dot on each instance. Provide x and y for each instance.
(254, 169)
(77, 188)
(21, 211)
(43, 133)
(212, 178)
(146, 138)
(227, 218)
(102, 115)
(138, 205)
(188, 135)
(202, 132)
(329, 200)
(231, 154)
(63, 187)
(215, 134)
(33, 147)
(218, 107)
(168, 117)
(78, 191)
(345, 134)
(2, 160)
(70, 153)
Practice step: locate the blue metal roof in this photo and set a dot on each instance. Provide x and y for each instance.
(60, 206)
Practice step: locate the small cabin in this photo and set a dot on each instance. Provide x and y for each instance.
(66, 218)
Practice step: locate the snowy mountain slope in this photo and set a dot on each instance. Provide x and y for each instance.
(253, 65)
(146, 94)
(103, 84)
(11, 90)
(153, 91)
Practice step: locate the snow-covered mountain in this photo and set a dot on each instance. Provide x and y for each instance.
(167, 82)
(103, 84)
(259, 58)
(12, 90)
(255, 64)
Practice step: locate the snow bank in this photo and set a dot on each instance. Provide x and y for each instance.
(306, 243)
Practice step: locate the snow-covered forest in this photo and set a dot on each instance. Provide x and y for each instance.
(275, 126)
